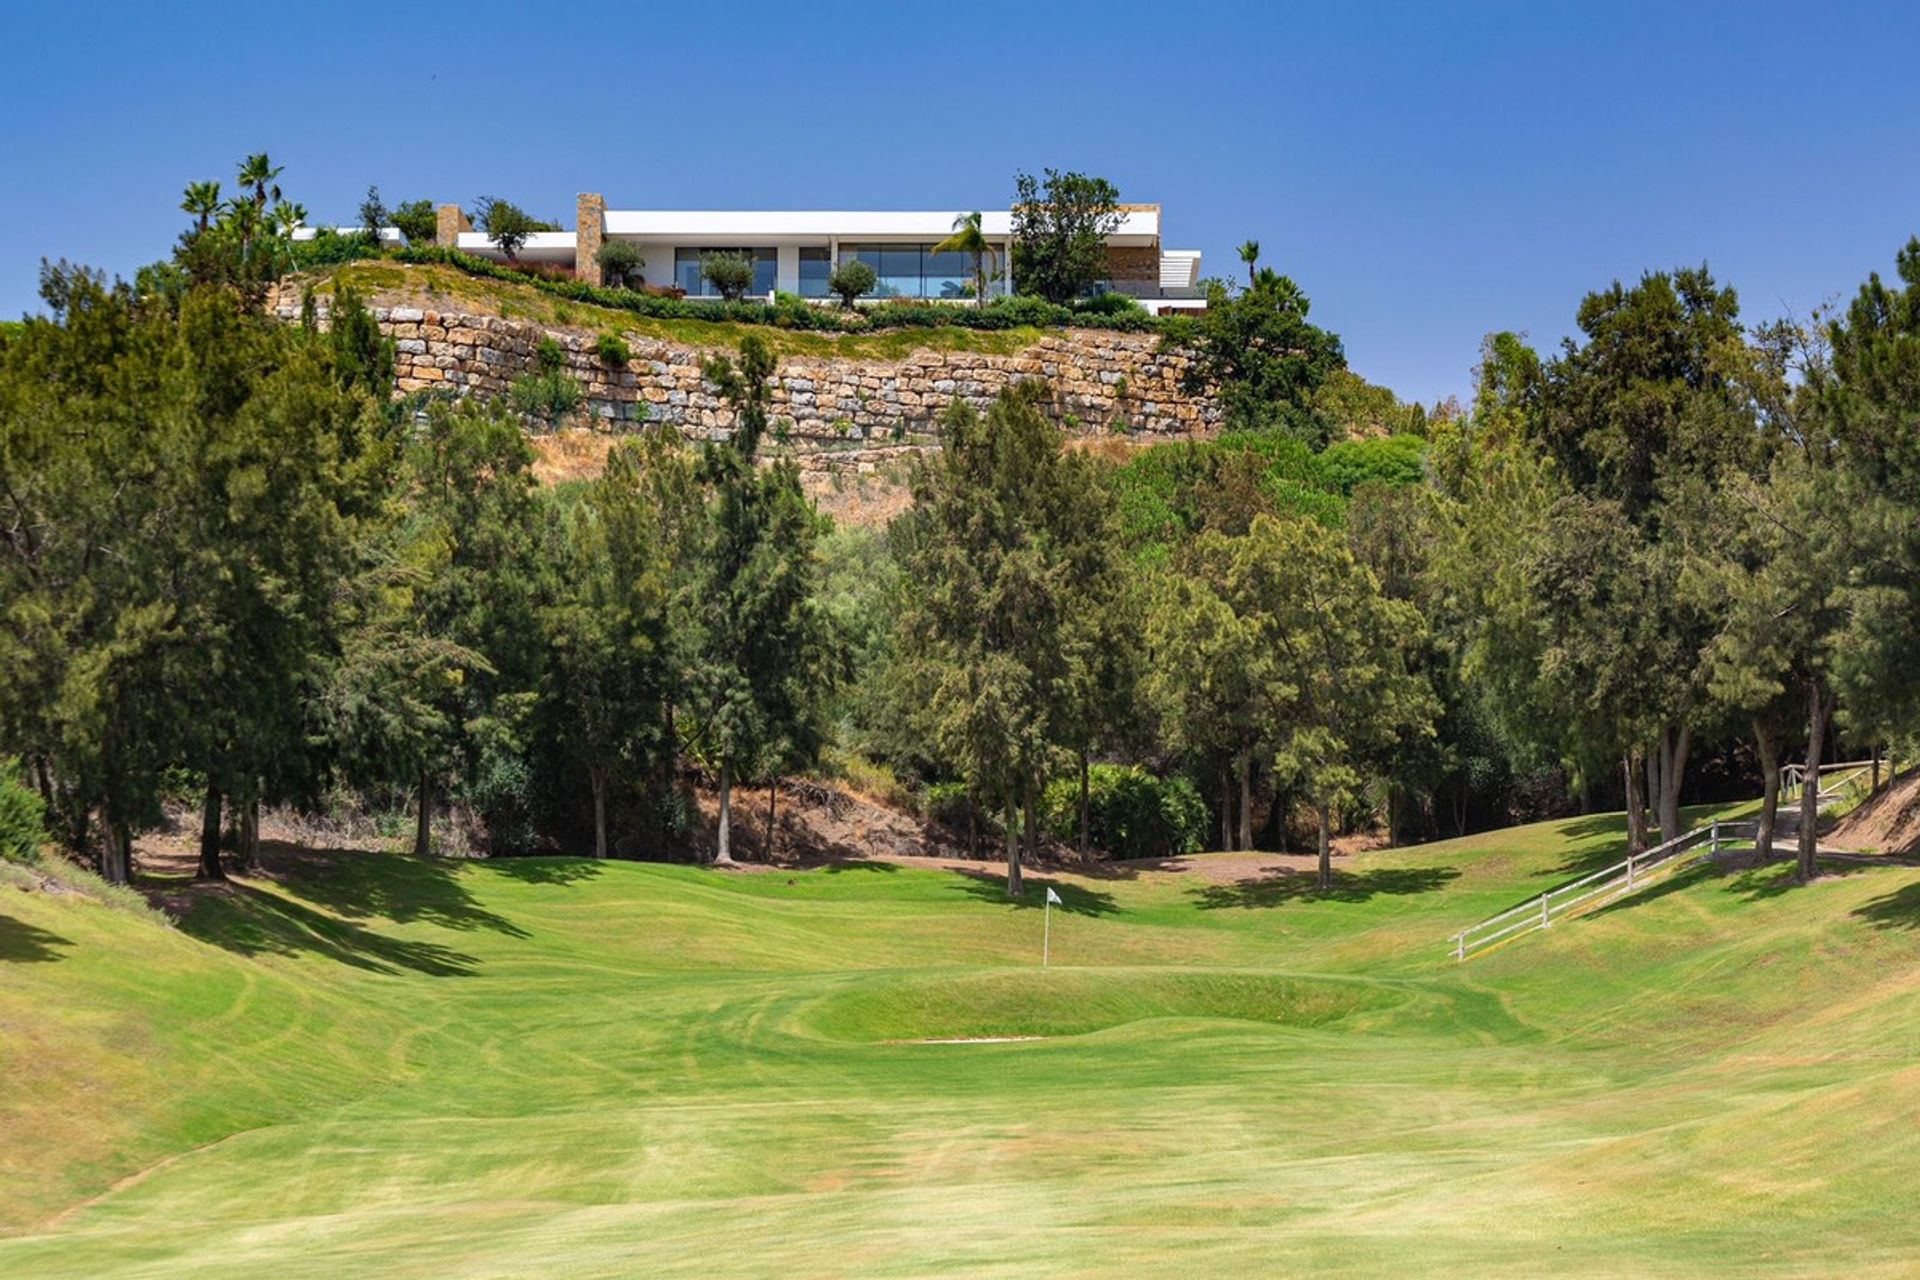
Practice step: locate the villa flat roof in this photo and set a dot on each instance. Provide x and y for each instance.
(1139, 225)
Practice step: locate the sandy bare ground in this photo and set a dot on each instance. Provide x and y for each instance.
(1888, 823)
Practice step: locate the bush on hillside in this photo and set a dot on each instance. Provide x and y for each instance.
(1110, 304)
(417, 221)
(1391, 460)
(1131, 813)
(620, 261)
(549, 396)
(851, 281)
(613, 352)
(950, 804)
(23, 825)
(730, 273)
(329, 248)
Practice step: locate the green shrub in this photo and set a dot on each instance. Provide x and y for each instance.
(1109, 304)
(329, 248)
(1394, 461)
(550, 395)
(950, 804)
(417, 221)
(730, 273)
(613, 352)
(1131, 813)
(619, 260)
(852, 280)
(23, 825)
(791, 311)
(550, 356)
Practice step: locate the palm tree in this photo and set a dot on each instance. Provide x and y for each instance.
(202, 200)
(245, 218)
(286, 217)
(1250, 254)
(259, 173)
(282, 222)
(967, 238)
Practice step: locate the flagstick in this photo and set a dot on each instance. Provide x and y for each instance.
(1046, 931)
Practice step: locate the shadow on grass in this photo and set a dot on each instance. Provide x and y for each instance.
(1751, 879)
(560, 871)
(1897, 910)
(1611, 830)
(396, 887)
(1076, 899)
(24, 943)
(1304, 886)
(857, 864)
(254, 922)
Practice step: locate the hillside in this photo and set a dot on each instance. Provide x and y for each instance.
(414, 284)
(1886, 823)
(371, 1064)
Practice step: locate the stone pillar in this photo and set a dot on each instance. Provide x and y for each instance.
(590, 226)
(449, 221)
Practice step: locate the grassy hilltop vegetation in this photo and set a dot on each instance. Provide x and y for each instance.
(384, 1066)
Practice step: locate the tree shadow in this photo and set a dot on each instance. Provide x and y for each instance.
(1074, 899)
(1590, 825)
(397, 887)
(858, 864)
(1697, 874)
(560, 871)
(1754, 879)
(1897, 910)
(24, 943)
(1304, 886)
(254, 922)
(1613, 849)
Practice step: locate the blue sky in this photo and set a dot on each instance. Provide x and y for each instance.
(1428, 172)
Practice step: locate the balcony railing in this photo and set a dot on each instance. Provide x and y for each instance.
(1149, 290)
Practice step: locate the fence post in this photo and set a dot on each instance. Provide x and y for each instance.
(1546, 921)
(1460, 945)
(1629, 871)
(1715, 855)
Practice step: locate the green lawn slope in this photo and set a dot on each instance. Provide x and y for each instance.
(378, 1066)
(448, 289)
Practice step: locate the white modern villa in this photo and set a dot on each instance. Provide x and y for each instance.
(795, 251)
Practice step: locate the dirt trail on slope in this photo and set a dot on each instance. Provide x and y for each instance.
(1888, 823)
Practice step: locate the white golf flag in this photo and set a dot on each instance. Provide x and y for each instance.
(1053, 897)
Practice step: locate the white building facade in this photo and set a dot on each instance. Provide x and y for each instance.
(796, 251)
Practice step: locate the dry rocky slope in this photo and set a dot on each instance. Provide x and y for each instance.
(1887, 823)
(837, 412)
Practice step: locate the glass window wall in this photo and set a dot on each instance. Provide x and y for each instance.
(916, 271)
(686, 270)
(816, 264)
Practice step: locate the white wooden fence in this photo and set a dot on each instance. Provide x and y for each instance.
(1603, 886)
(1834, 778)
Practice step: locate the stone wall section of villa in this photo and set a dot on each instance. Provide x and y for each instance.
(847, 411)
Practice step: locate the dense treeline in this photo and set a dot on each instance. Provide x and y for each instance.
(236, 571)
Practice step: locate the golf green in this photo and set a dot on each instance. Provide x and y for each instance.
(376, 1066)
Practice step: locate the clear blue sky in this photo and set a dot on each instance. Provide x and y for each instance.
(1428, 172)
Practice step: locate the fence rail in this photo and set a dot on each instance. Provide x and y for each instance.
(1834, 778)
(1604, 885)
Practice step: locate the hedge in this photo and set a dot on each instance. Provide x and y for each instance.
(1131, 813)
(1109, 311)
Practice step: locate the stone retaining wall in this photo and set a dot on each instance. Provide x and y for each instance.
(1101, 381)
